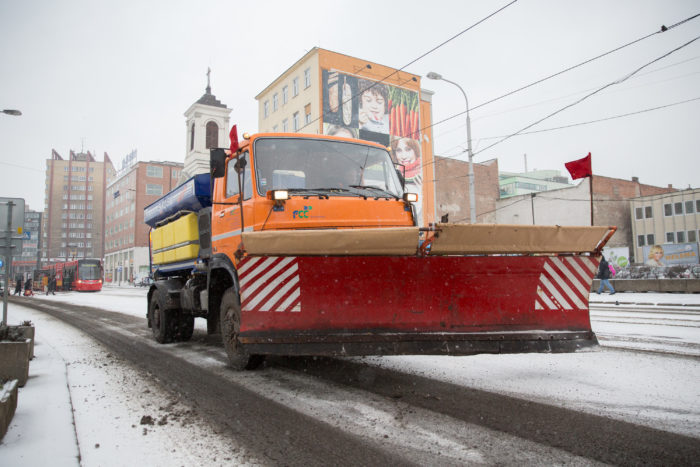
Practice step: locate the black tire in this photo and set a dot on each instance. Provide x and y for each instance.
(162, 321)
(185, 326)
(230, 320)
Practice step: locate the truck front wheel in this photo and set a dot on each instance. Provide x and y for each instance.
(230, 320)
(162, 321)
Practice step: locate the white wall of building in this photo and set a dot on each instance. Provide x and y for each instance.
(567, 206)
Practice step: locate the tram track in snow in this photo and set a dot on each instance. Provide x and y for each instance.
(650, 329)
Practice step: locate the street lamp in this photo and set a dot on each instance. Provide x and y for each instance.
(12, 112)
(472, 197)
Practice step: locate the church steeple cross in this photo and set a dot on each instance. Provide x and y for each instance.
(208, 82)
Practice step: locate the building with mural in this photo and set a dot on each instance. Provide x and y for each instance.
(666, 228)
(329, 93)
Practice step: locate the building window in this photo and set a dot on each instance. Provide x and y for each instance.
(689, 207)
(307, 78)
(678, 209)
(274, 129)
(640, 240)
(192, 137)
(668, 210)
(295, 87)
(692, 238)
(669, 237)
(212, 135)
(285, 125)
(295, 121)
(154, 189)
(307, 114)
(650, 239)
(697, 205)
(680, 237)
(638, 213)
(275, 102)
(266, 109)
(154, 171)
(285, 94)
(648, 213)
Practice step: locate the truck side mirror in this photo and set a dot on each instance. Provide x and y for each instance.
(217, 162)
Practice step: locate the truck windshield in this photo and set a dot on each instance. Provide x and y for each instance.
(336, 167)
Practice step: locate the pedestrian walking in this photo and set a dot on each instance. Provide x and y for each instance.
(28, 287)
(51, 286)
(18, 285)
(604, 276)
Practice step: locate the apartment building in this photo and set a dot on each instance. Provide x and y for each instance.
(74, 205)
(137, 185)
(327, 92)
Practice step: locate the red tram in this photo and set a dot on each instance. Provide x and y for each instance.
(83, 275)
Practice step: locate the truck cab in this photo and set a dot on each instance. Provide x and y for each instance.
(291, 182)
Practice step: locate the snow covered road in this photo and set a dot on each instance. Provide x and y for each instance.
(649, 389)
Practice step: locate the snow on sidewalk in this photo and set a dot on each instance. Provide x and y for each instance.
(120, 417)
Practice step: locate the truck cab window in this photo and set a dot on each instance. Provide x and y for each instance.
(232, 188)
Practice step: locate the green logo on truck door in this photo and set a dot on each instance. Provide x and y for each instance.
(301, 214)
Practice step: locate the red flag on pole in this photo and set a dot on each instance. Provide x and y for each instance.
(580, 168)
(234, 139)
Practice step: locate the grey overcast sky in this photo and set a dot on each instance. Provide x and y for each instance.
(116, 76)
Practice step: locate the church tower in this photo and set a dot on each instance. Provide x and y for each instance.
(207, 127)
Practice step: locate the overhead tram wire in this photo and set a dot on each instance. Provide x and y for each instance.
(621, 80)
(629, 114)
(662, 30)
(375, 83)
(612, 83)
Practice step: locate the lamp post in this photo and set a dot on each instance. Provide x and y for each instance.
(472, 196)
(14, 112)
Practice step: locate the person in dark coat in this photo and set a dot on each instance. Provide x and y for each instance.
(51, 286)
(604, 276)
(28, 287)
(18, 285)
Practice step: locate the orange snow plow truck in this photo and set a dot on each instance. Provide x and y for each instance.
(307, 245)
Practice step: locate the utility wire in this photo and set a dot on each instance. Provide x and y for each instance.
(375, 83)
(629, 114)
(662, 30)
(618, 81)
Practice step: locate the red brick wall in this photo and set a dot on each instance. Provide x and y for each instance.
(453, 189)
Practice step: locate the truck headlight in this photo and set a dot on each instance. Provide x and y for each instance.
(410, 197)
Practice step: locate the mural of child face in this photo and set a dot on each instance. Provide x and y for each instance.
(404, 153)
(373, 106)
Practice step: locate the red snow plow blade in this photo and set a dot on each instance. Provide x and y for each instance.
(376, 292)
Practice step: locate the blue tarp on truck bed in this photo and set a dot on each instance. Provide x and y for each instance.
(192, 195)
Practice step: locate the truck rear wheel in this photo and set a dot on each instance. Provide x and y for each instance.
(162, 321)
(230, 320)
(185, 326)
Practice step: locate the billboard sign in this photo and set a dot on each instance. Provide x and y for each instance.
(670, 254)
(619, 256)
(355, 107)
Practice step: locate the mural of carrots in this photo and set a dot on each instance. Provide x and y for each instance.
(404, 108)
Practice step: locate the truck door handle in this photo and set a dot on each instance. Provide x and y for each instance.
(222, 213)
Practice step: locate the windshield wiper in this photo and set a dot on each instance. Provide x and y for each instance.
(374, 188)
(321, 191)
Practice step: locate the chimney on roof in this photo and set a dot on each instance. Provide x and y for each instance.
(635, 179)
(670, 185)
